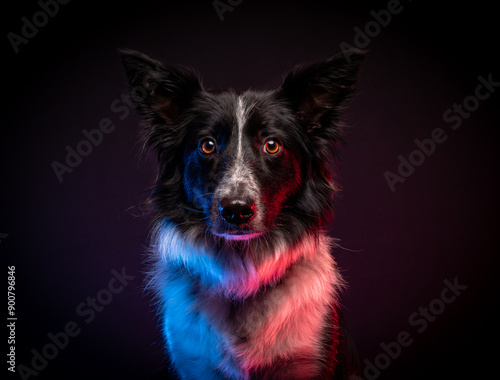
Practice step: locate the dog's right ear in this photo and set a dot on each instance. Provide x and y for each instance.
(319, 93)
(161, 92)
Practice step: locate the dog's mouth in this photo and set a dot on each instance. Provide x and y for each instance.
(239, 234)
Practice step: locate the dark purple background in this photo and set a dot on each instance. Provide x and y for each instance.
(441, 223)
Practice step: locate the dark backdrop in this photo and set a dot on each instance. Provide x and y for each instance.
(399, 248)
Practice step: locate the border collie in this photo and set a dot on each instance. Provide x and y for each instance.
(240, 260)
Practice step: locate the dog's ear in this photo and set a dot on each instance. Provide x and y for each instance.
(320, 93)
(161, 92)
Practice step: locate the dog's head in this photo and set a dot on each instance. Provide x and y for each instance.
(242, 165)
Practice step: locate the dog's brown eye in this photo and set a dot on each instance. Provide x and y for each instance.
(272, 147)
(207, 146)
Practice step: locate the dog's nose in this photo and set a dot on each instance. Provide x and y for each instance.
(236, 211)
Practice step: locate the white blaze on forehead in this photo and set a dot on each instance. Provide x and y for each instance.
(240, 172)
(241, 119)
(239, 180)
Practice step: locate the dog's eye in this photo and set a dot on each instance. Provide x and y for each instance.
(207, 146)
(272, 147)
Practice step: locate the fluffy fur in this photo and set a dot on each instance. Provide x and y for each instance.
(240, 263)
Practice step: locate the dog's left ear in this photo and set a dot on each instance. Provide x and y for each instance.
(320, 93)
(161, 92)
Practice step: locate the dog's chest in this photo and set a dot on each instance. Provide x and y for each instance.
(274, 328)
(285, 321)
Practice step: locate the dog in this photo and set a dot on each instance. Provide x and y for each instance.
(240, 261)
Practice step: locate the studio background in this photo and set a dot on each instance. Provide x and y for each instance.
(68, 237)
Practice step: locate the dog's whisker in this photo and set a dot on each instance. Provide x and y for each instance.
(191, 209)
(337, 245)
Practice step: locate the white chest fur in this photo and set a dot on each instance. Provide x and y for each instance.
(265, 323)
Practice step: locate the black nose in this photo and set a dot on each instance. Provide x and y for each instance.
(236, 211)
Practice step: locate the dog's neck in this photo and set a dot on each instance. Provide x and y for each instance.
(236, 274)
